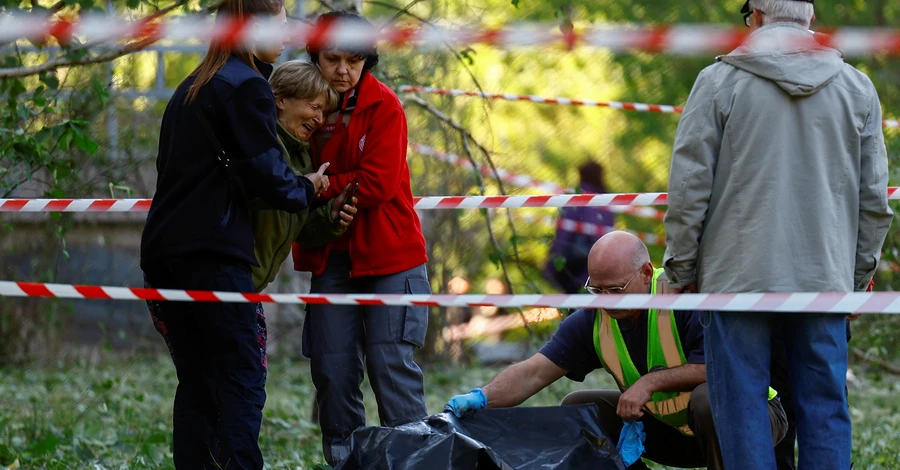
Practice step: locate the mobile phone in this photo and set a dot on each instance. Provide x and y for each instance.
(351, 193)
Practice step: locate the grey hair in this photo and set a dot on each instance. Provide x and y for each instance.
(639, 254)
(784, 10)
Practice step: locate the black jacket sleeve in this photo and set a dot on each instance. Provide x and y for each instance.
(250, 111)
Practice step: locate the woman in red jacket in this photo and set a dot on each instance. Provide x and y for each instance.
(383, 252)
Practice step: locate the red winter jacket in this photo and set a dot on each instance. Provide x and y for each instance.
(385, 236)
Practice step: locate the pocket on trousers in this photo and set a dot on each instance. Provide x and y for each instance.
(415, 318)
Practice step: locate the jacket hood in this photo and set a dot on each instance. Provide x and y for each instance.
(789, 55)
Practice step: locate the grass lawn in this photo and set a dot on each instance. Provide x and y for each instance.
(115, 413)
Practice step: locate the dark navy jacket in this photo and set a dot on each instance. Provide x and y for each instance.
(196, 211)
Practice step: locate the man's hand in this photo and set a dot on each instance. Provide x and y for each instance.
(341, 212)
(462, 405)
(633, 399)
(319, 179)
(688, 289)
(855, 316)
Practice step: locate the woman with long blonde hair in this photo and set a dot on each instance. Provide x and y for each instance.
(218, 149)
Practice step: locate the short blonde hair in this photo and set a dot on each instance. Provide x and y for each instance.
(302, 80)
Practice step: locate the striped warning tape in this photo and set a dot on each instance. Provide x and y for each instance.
(683, 39)
(524, 181)
(481, 326)
(421, 203)
(587, 228)
(521, 181)
(868, 302)
(650, 108)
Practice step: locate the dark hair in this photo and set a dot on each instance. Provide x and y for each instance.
(367, 52)
(220, 51)
(591, 173)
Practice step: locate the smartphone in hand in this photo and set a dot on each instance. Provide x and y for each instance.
(350, 192)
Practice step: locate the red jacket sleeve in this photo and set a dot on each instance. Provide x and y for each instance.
(383, 158)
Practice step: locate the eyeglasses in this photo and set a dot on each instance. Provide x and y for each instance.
(748, 13)
(608, 290)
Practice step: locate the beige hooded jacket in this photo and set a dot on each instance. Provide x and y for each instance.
(779, 173)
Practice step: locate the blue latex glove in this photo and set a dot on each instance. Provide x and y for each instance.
(631, 442)
(461, 405)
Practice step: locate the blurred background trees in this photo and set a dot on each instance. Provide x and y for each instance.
(82, 121)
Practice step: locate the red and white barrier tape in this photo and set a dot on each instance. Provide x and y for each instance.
(646, 212)
(586, 228)
(521, 181)
(683, 39)
(75, 205)
(598, 231)
(868, 302)
(421, 203)
(524, 181)
(651, 108)
(481, 326)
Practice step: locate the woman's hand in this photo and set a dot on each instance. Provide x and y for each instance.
(319, 179)
(346, 214)
(342, 212)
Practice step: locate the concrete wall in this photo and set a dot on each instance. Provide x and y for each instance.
(105, 251)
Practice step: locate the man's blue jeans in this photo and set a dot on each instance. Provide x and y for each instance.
(738, 354)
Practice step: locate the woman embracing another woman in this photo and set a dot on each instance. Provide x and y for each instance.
(383, 252)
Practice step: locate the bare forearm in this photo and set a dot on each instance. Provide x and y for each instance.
(511, 387)
(519, 382)
(678, 379)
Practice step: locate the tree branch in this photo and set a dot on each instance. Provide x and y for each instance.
(466, 138)
(487, 217)
(401, 11)
(459, 127)
(405, 11)
(888, 367)
(62, 61)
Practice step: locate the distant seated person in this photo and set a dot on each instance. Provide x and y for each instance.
(655, 356)
(567, 264)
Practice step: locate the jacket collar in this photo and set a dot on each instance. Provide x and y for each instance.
(780, 36)
(289, 141)
(264, 68)
(369, 90)
(779, 24)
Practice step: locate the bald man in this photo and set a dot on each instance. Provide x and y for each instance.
(655, 356)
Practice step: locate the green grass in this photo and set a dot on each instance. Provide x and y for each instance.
(116, 413)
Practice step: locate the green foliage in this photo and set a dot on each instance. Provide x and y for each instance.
(53, 141)
(117, 413)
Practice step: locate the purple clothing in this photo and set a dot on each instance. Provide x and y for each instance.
(574, 247)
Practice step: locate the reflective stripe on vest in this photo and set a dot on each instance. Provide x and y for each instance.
(663, 350)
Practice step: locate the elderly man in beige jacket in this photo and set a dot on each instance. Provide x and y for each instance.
(778, 184)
